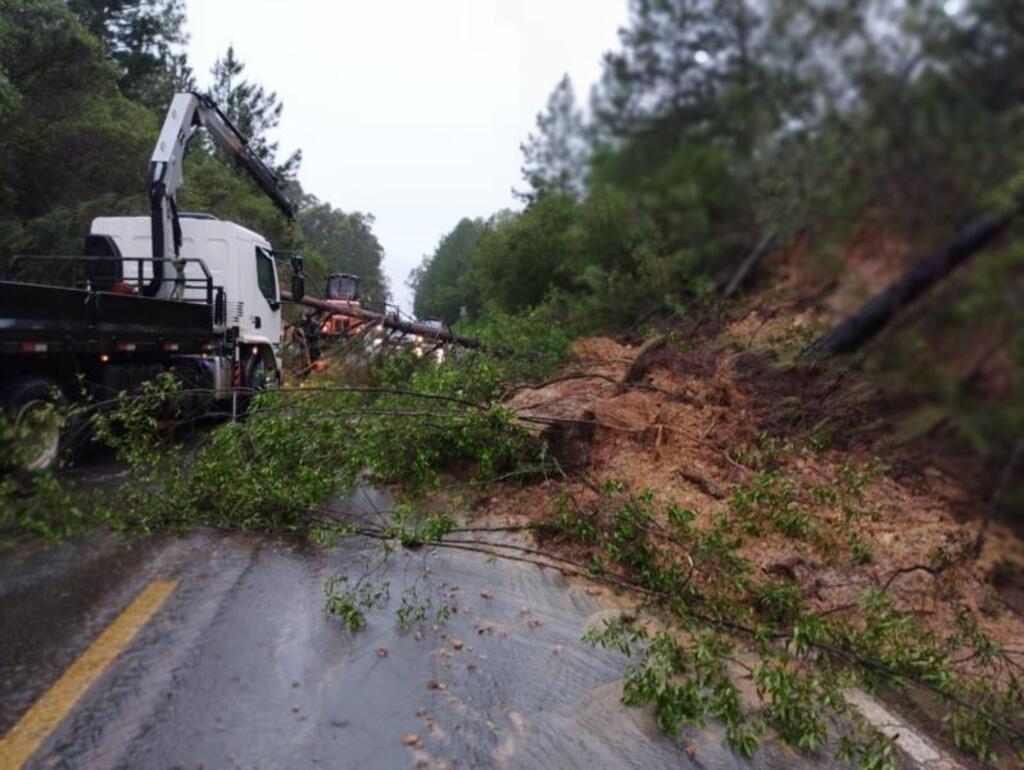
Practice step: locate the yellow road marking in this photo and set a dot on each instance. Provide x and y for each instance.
(39, 721)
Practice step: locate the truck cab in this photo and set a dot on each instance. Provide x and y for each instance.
(240, 262)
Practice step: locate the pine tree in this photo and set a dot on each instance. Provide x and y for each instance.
(253, 110)
(688, 66)
(554, 158)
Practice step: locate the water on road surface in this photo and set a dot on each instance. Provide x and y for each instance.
(241, 668)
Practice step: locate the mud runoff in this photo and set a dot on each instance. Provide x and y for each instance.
(241, 668)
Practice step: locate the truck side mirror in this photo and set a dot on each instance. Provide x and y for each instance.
(298, 278)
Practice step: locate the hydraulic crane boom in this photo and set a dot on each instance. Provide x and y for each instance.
(189, 111)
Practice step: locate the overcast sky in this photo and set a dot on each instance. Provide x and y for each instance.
(407, 109)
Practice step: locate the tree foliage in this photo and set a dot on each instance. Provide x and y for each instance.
(347, 244)
(71, 141)
(143, 38)
(441, 286)
(254, 110)
(554, 159)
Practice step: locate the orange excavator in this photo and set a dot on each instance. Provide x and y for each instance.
(343, 292)
(329, 321)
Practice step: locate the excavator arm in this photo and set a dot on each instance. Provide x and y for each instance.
(189, 111)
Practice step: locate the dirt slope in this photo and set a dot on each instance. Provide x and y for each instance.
(698, 427)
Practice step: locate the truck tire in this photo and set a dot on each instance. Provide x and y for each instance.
(259, 371)
(30, 402)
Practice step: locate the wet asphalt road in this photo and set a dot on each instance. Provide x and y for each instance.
(241, 668)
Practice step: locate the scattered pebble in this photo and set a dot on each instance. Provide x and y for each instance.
(382, 652)
(418, 636)
(557, 649)
(457, 644)
(690, 750)
(533, 623)
(487, 594)
(433, 684)
(471, 666)
(411, 739)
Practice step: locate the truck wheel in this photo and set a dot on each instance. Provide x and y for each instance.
(260, 371)
(30, 402)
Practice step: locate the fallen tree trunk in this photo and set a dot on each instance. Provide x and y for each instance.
(386, 321)
(747, 265)
(642, 361)
(861, 327)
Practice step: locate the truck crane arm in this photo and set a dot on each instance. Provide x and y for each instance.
(189, 111)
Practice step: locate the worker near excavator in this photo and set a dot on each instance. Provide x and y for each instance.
(310, 326)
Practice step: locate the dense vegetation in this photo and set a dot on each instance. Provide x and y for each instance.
(83, 88)
(717, 122)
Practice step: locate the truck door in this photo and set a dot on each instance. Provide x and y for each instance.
(267, 311)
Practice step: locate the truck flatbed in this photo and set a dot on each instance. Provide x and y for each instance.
(88, 310)
(56, 319)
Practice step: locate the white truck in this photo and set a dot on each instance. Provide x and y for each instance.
(181, 292)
